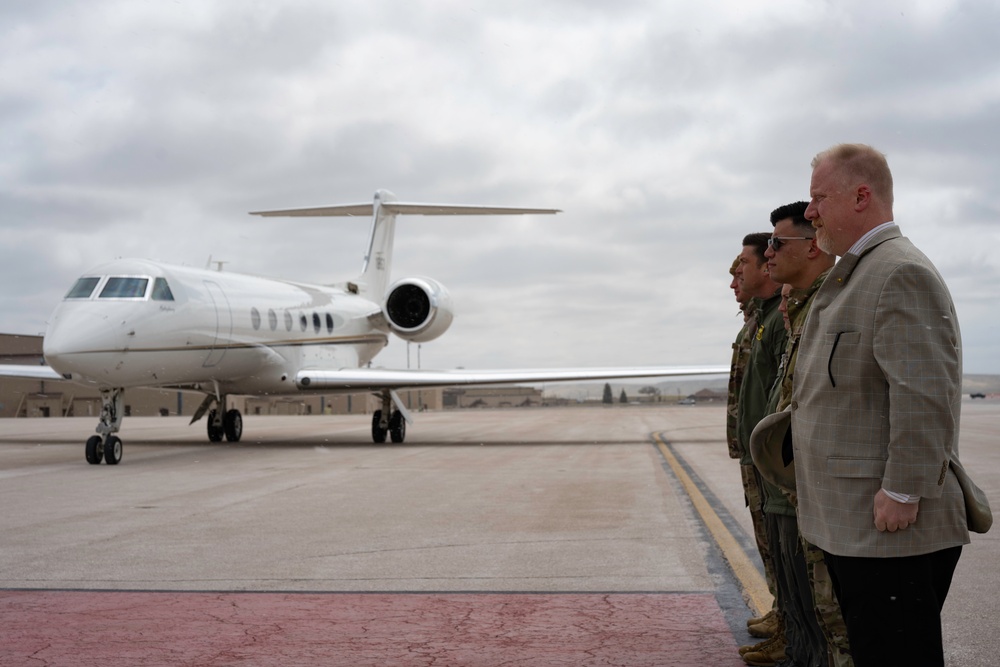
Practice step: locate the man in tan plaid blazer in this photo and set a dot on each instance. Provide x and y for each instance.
(875, 418)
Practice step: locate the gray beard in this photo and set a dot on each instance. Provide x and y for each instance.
(823, 242)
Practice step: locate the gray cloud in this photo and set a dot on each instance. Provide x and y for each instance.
(665, 132)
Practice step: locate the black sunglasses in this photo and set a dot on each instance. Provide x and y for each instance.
(776, 242)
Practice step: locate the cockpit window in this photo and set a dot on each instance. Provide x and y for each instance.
(83, 288)
(124, 287)
(161, 290)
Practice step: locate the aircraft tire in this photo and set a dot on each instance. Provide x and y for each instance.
(232, 424)
(94, 449)
(215, 433)
(113, 450)
(397, 427)
(378, 433)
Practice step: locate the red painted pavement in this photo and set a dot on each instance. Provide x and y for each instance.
(360, 629)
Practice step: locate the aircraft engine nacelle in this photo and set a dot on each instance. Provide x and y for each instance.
(418, 309)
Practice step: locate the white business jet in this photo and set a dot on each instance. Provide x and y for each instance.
(138, 323)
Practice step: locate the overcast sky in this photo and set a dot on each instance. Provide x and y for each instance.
(664, 130)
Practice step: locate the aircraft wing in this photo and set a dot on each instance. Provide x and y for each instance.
(380, 378)
(29, 372)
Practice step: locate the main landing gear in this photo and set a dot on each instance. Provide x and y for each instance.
(229, 424)
(106, 445)
(221, 422)
(388, 421)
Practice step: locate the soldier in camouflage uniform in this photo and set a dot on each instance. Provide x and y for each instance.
(751, 488)
(736, 368)
(827, 609)
(798, 268)
(761, 347)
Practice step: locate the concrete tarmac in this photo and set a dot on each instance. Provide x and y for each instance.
(586, 536)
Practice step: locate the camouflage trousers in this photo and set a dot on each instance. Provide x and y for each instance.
(755, 501)
(831, 621)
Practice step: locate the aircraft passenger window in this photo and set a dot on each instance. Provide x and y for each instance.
(255, 318)
(315, 322)
(303, 322)
(272, 319)
(122, 287)
(329, 322)
(288, 321)
(161, 290)
(83, 288)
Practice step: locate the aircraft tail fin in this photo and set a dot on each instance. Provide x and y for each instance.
(374, 278)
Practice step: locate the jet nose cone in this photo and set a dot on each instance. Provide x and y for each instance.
(74, 332)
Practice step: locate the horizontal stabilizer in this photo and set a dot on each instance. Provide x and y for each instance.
(403, 208)
(375, 270)
(377, 378)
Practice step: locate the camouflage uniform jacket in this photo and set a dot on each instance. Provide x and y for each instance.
(798, 309)
(767, 341)
(777, 501)
(741, 354)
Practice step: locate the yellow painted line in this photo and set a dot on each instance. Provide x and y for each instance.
(754, 587)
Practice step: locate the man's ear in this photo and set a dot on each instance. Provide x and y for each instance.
(863, 197)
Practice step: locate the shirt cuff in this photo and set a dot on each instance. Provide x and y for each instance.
(904, 498)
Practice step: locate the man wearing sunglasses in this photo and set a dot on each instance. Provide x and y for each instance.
(758, 357)
(875, 418)
(815, 627)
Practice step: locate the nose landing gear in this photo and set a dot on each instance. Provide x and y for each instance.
(108, 447)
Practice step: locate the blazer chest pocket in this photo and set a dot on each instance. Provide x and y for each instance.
(837, 339)
(857, 468)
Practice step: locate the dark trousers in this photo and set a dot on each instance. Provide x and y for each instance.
(806, 643)
(892, 606)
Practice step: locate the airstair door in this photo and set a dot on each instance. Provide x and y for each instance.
(223, 324)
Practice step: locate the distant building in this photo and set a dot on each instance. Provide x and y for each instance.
(710, 396)
(504, 396)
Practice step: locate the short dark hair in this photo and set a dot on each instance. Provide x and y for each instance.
(758, 241)
(797, 212)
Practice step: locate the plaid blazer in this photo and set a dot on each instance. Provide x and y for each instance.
(876, 399)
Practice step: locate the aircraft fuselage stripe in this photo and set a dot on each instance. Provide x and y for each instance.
(354, 340)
